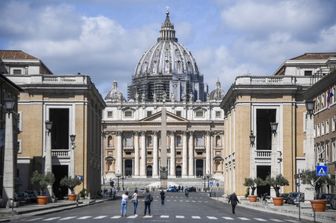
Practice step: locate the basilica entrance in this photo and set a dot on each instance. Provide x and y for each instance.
(149, 171)
(128, 167)
(178, 171)
(199, 168)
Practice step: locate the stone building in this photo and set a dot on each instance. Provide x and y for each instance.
(74, 106)
(168, 110)
(255, 103)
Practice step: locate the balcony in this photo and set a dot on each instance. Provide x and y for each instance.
(199, 148)
(263, 154)
(60, 153)
(276, 80)
(128, 148)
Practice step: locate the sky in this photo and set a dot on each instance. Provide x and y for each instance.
(106, 38)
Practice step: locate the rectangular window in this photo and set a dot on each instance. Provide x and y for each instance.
(128, 114)
(17, 71)
(308, 72)
(60, 128)
(218, 114)
(149, 113)
(199, 114)
(128, 140)
(19, 149)
(178, 153)
(19, 121)
(179, 113)
(199, 140)
(109, 114)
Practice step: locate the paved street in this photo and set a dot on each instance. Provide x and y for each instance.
(197, 208)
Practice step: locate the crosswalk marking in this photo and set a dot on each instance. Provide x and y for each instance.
(50, 219)
(195, 217)
(34, 219)
(164, 216)
(179, 216)
(67, 218)
(84, 217)
(259, 219)
(148, 216)
(116, 217)
(133, 216)
(243, 218)
(276, 220)
(289, 220)
(100, 217)
(212, 218)
(228, 218)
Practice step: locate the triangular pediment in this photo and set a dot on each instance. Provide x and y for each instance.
(156, 117)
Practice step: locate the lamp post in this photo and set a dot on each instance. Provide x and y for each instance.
(72, 154)
(48, 156)
(204, 178)
(9, 154)
(309, 136)
(122, 182)
(274, 149)
(252, 138)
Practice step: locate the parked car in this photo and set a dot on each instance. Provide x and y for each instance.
(192, 189)
(21, 197)
(331, 200)
(31, 196)
(284, 196)
(171, 189)
(293, 198)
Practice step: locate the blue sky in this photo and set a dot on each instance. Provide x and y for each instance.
(105, 39)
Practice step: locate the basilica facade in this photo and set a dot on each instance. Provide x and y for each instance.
(169, 118)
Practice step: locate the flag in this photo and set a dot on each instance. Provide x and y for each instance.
(329, 96)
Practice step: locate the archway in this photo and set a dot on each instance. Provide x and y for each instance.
(178, 171)
(149, 171)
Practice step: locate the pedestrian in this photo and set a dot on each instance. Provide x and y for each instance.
(186, 192)
(234, 200)
(135, 201)
(123, 206)
(148, 200)
(162, 194)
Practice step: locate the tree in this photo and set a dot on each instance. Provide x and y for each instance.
(276, 183)
(42, 181)
(70, 183)
(310, 177)
(253, 183)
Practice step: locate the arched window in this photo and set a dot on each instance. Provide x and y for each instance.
(218, 141)
(178, 141)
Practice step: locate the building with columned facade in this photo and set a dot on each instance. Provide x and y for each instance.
(167, 100)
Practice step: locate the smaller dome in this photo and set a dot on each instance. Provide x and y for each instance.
(115, 95)
(218, 93)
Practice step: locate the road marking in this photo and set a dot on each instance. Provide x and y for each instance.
(289, 220)
(35, 219)
(259, 219)
(243, 218)
(148, 216)
(84, 217)
(227, 218)
(67, 218)
(276, 220)
(116, 217)
(164, 216)
(133, 216)
(50, 219)
(168, 200)
(179, 216)
(212, 218)
(195, 217)
(100, 217)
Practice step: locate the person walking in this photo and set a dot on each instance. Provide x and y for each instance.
(233, 199)
(148, 200)
(135, 201)
(162, 194)
(186, 192)
(123, 206)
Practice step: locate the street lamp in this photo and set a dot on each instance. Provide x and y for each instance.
(274, 127)
(310, 104)
(72, 152)
(204, 178)
(252, 138)
(9, 154)
(122, 182)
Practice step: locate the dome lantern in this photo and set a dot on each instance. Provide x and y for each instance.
(167, 31)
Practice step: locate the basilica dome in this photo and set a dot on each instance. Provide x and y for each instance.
(167, 56)
(167, 71)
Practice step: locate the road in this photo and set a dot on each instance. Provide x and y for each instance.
(197, 208)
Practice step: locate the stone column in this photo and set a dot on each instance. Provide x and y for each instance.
(143, 155)
(8, 172)
(207, 154)
(155, 155)
(119, 162)
(184, 155)
(136, 154)
(172, 155)
(191, 153)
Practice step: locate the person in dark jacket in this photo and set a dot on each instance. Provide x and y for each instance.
(162, 195)
(148, 200)
(233, 199)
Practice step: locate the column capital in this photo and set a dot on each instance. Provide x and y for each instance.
(136, 133)
(118, 133)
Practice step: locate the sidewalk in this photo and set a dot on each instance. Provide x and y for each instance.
(288, 210)
(6, 214)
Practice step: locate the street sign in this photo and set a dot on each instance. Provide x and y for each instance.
(321, 171)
